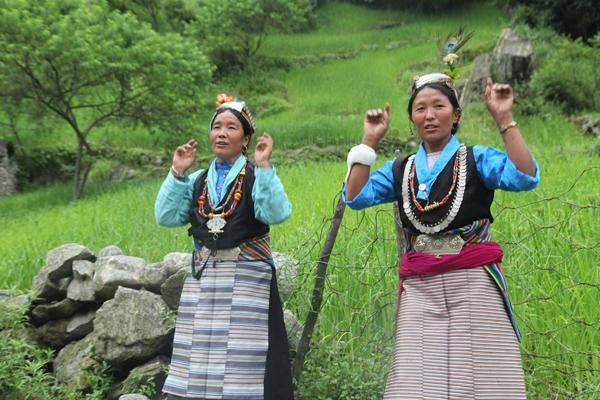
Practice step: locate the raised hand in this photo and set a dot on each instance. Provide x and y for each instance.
(377, 122)
(499, 98)
(262, 152)
(184, 156)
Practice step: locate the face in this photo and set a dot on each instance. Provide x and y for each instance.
(227, 137)
(433, 116)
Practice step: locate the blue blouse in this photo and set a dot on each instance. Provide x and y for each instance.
(174, 198)
(494, 167)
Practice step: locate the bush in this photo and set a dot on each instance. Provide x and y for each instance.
(569, 77)
(575, 18)
(332, 374)
(24, 365)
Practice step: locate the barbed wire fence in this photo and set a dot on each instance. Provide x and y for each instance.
(346, 291)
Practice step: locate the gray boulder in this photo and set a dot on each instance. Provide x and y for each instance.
(55, 310)
(512, 58)
(59, 265)
(63, 285)
(153, 276)
(287, 272)
(132, 327)
(81, 324)
(111, 250)
(72, 362)
(44, 288)
(172, 288)
(294, 329)
(114, 271)
(60, 260)
(10, 299)
(53, 334)
(82, 286)
(474, 88)
(173, 262)
(153, 373)
(588, 125)
(133, 397)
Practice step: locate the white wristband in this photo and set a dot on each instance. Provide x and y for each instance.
(360, 154)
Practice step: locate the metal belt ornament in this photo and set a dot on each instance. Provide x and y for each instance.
(439, 245)
(456, 201)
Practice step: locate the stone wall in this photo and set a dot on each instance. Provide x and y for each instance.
(119, 310)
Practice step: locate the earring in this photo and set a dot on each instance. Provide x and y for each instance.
(410, 129)
(244, 148)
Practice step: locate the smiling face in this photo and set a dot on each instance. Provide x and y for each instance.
(433, 116)
(227, 137)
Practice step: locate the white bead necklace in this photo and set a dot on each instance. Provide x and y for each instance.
(456, 201)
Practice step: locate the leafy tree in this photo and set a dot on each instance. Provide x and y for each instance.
(163, 15)
(233, 31)
(87, 64)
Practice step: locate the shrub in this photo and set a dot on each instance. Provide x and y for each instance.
(331, 374)
(569, 77)
(575, 18)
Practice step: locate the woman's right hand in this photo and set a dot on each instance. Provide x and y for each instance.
(377, 122)
(184, 156)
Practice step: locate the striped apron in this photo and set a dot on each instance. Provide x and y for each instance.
(456, 336)
(222, 333)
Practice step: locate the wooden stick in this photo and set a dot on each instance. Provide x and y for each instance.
(317, 294)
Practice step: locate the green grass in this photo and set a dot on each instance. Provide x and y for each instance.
(550, 236)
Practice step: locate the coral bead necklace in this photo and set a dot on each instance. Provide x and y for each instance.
(436, 204)
(216, 216)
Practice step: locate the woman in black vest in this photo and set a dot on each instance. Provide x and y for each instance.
(230, 340)
(456, 336)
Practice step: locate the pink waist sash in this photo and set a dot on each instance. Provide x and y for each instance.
(475, 255)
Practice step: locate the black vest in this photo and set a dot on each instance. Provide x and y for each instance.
(241, 226)
(476, 202)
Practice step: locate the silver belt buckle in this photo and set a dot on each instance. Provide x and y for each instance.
(223, 254)
(439, 245)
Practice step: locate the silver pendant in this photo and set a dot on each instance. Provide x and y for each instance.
(216, 224)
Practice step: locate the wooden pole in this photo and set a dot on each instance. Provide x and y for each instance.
(317, 294)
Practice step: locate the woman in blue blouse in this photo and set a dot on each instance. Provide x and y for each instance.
(230, 340)
(456, 336)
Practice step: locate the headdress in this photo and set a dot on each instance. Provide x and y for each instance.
(238, 108)
(448, 49)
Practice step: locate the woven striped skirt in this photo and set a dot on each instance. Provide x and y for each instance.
(230, 340)
(454, 341)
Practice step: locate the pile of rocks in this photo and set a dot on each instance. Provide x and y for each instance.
(118, 309)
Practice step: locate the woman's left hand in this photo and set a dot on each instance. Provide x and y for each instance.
(262, 152)
(499, 98)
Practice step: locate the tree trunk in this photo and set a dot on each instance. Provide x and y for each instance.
(82, 169)
(317, 295)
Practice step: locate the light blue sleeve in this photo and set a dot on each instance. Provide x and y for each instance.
(378, 189)
(498, 171)
(271, 204)
(173, 200)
